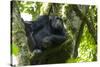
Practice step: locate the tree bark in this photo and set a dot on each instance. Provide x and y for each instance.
(18, 35)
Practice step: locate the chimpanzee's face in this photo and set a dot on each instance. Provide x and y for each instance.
(56, 22)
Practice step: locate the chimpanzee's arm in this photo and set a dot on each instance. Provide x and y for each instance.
(31, 42)
(54, 39)
(29, 34)
(58, 38)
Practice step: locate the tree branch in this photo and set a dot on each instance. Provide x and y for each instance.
(90, 28)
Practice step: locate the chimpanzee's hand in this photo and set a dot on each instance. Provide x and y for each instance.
(47, 41)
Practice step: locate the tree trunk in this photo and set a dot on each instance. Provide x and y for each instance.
(18, 35)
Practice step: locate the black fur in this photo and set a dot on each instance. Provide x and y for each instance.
(46, 31)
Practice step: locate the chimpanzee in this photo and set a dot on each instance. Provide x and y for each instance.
(45, 32)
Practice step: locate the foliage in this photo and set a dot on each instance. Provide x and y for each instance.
(87, 52)
(15, 49)
(87, 49)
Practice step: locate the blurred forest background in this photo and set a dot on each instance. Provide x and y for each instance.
(80, 22)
